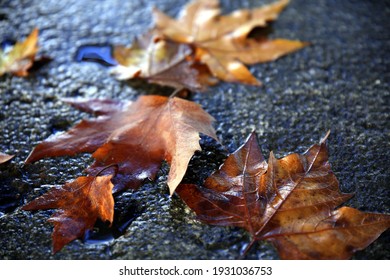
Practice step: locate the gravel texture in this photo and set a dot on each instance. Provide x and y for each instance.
(340, 82)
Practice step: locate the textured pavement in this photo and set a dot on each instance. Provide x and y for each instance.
(340, 82)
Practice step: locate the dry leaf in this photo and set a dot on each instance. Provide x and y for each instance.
(291, 202)
(20, 58)
(80, 203)
(159, 61)
(5, 157)
(135, 136)
(222, 42)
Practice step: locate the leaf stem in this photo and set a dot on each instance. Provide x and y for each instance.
(176, 92)
(106, 167)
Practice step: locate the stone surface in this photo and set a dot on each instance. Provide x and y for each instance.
(340, 82)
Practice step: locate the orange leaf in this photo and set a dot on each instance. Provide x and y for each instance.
(290, 202)
(80, 203)
(20, 58)
(135, 136)
(159, 61)
(222, 42)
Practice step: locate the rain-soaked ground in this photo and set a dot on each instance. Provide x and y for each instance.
(340, 82)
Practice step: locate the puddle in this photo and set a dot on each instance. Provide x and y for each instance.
(102, 233)
(101, 54)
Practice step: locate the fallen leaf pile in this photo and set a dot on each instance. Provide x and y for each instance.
(204, 43)
(19, 58)
(134, 136)
(290, 202)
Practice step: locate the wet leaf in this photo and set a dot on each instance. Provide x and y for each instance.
(136, 137)
(80, 203)
(4, 157)
(159, 61)
(18, 59)
(222, 42)
(291, 202)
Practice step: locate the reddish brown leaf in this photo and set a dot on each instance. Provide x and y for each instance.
(80, 203)
(290, 202)
(135, 136)
(159, 61)
(5, 157)
(20, 58)
(222, 42)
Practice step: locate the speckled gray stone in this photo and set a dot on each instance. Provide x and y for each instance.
(340, 82)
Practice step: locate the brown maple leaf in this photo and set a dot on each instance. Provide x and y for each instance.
(135, 136)
(20, 57)
(4, 157)
(222, 42)
(159, 61)
(290, 201)
(80, 203)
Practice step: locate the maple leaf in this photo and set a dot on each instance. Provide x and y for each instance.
(4, 157)
(222, 42)
(80, 203)
(159, 61)
(20, 57)
(136, 137)
(290, 202)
